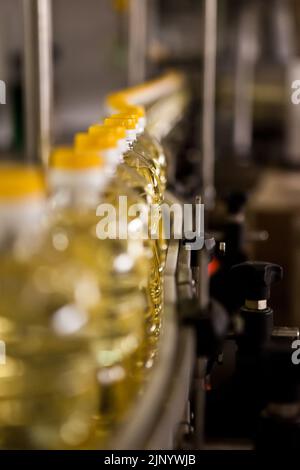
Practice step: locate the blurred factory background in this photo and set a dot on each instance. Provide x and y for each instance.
(89, 60)
(91, 48)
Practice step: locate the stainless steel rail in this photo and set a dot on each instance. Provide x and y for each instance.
(209, 97)
(137, 47)
(38, 78)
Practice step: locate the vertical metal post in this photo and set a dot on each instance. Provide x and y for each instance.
(137, 41)
(200, 275)
(38, 78)
(247, 54)
(200, 257)
(209, 95)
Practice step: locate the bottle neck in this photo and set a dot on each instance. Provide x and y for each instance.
(122, 146)
(21, 219)
(141, 125)
(73, 188)
(133, 134)
(114, 156)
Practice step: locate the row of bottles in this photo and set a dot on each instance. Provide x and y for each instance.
(81, 279)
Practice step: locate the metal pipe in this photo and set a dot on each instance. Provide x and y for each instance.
(137, 41)
(209, 98)
(247, 55)
(38, 78)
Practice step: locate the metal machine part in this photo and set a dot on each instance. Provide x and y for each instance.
(250, 381)
(209, 97)
(38, 78)
(137, 47)
(247, 55)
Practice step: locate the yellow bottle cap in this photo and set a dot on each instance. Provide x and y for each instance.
(131, 110)
(117, 100)
(128, 123)
(100, 141)
(18, 181)
(81, 141)
(101, 129)
(67, 158)
(125, 115)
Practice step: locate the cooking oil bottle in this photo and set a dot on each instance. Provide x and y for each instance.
(48, 392)
(143, 165)
(149, 148)
(79, 180)
(147, 145)
(148, 171)
(126, 182)
(134, 170)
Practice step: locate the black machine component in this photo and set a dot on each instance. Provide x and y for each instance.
(211, 326)
(253, 281)
(233, 235)
(256, 371)
(207, 316)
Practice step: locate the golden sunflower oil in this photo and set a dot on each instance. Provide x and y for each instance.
(148, 170)
(147, 145)
(152, 187)
(48, 391)
(127, 182)
(81, 207)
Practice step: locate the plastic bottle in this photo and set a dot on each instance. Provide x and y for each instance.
(149, 172)
(147, 145)
(126, 182)
(79, 182)
(47, 379)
